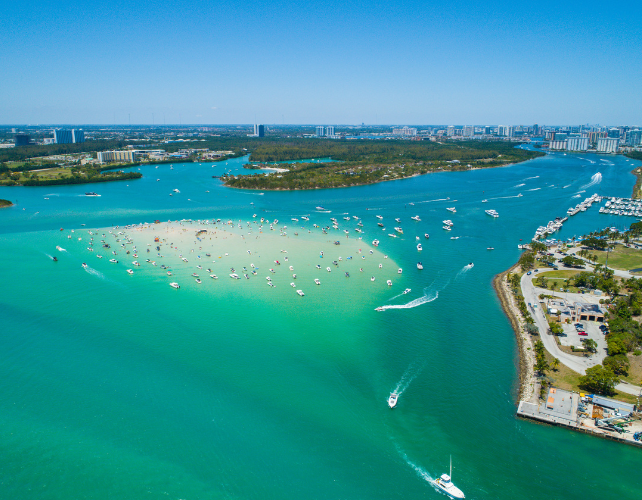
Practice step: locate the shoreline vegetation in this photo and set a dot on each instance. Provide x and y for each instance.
(637, 189)
(357, 164)
(5, 203)
(527, 379)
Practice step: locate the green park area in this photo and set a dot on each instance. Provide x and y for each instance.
(621, 257)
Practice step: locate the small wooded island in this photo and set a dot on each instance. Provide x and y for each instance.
(371, 162)
(5, 203)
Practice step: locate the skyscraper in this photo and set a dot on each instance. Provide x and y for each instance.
(22, 140)
(62, 136)
(329, 131)
(320, 130)
(607, 145)
(77, 135)
(261, 131)
(256, 130)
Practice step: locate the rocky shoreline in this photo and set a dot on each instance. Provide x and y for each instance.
(527, 379)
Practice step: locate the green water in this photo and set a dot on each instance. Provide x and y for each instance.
(117, 386)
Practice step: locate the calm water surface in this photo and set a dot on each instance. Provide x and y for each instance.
(120, 387)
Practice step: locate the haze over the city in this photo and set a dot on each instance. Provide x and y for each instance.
(330, 62)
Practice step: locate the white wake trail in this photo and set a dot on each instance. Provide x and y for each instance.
(519, 185)
(528, 178)
(412, 303)
(596, 179)
(421, 472)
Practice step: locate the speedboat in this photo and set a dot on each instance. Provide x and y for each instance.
(445, 484)
(213, 276)
(447, 228)
(129, 271)
(399, 230)
(490, 248)
(372, 279)
(407, 290)
(300, 292)
(113, 261)
(316, 281)
(420, 265)
(174, 285)
(416, 217)
(426, 236)
(91, 193)
(292, 285)
(451, 209)
(84, 265)
(399, 271)
(392, 400)
(380, 309)
(375, 243)
(198, 281)
(419, 247)
(234, 276)
(328, 269)
(389, 282)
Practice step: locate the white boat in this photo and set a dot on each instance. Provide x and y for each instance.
(447, 228)
(452, 209)
(416, 217)
(448, 222)
(484, 201)
(407, 290)
(392, 235)
(392, 400)
(445, 484)
(136, 263)
(328, 269)
(419, 247)
(317, 281)
(375, 243)
(399, 271)
(176, 191)
(235, 276)
(492, 213)
(198, 280)
(174, 285)
(213, 276)
(426, 236)
(292, 285)
(113, 261)
(389, 282)
(372, 278)
(300, 292)
(84, 265)
(399, 230)
(130, 271)
(420, 265)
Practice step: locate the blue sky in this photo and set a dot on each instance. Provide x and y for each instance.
(378, 62)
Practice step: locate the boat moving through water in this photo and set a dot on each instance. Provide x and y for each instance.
(445, 484)
(392, 400)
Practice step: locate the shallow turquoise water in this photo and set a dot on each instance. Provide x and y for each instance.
(118, 387)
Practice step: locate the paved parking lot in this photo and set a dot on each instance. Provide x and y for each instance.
(593, 331)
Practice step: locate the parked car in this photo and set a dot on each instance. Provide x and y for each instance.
(582, 332)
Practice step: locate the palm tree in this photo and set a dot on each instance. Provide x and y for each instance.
(555, 364)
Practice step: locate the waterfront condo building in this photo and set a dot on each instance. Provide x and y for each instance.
(62, 136)
(329, 131)
(577, 144)
(320, 130)
(77, 135)
(607, 145)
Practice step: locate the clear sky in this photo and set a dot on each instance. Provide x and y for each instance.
(327, 62)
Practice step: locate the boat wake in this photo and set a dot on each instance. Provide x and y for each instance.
(430, 201)
(519, 185)
(568, 185)
(535, 177)
(61, 249)
(413, 303)
(577, 196)
(596, 179)
(534, 189)
(464, 270)
(409, 375)
(421, 472)
(93, 272)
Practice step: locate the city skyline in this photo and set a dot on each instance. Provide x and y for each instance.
(282, 63)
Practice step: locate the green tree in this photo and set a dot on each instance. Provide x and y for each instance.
(590, 345)
(599, 379)
(618, 364)
(541, 365)
(616, 346)
(555, 364)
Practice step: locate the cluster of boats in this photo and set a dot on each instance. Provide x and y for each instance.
(622, 206)
(583, 206)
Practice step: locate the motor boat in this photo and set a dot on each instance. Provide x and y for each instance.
(130, 271)
(389, 282)
(407, 290)
(445, 484)
(300, 292)
(399, 271)
(420, 265)
(174, 285)
(392, 399)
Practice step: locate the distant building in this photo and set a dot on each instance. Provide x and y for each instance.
(469, 131)
(450, 131)
(320, 130)
(505, 131)
(112, 156)
(261, 131)
(487, 130)
(556, 145)
(594, 136)
(634, 137)
(22, 139)
(77, 135)
(404, 131)
(329, 131)
(62, 136)
(607, 145)
(577, 144)
(256, 130)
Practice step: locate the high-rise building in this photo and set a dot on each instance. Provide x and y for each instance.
(22, 139)
(487, 130)
(607, 145)
(62, 136)
(77, 135)
(577, 143)
(469, 131)
(320, 130)
(329, 131)
(261, 131)
(556, 145)
(404, 131)
(634, 137)
(109, 156)
(450, 131)
(536, 129)
(614, 133)
(504, 131)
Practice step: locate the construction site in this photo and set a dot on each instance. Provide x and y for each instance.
(588, 413)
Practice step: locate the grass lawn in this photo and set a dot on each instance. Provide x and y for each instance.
(47, 174)
(621, 257)
(559, 274)
(635, 370)
(567, 379)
